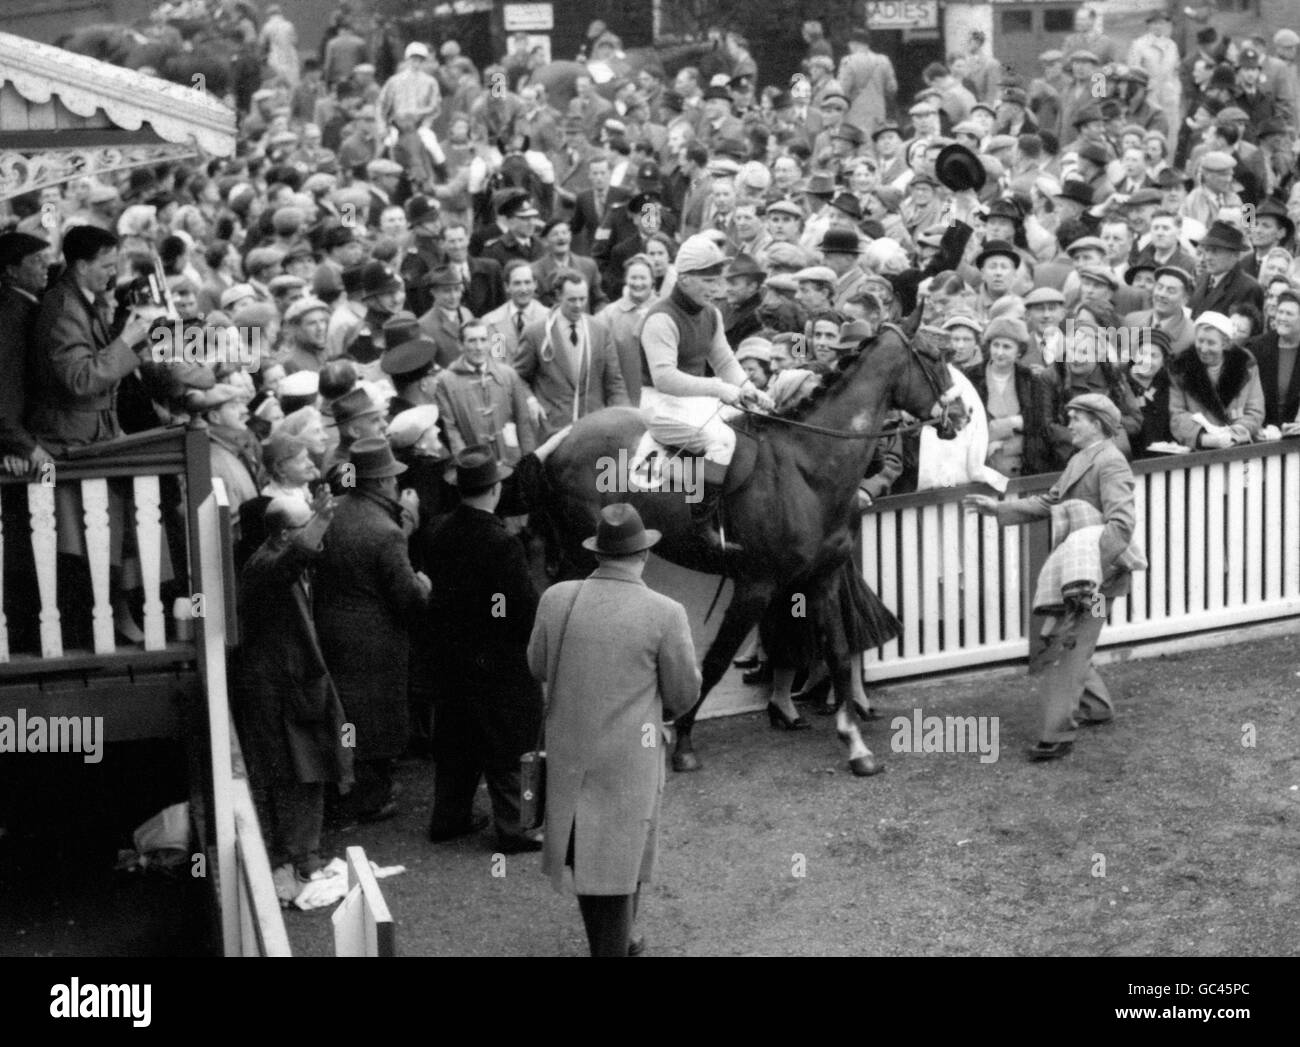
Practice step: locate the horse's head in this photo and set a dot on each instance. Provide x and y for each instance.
(926, 390)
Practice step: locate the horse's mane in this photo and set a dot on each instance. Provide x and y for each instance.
(800, 409)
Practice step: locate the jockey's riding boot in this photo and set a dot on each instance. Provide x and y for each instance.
(704, 511)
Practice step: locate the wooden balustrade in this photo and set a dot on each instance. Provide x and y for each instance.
(95, 489)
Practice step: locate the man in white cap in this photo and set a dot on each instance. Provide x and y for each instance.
(682, 335)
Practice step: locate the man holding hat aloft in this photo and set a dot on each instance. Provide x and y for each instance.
(1219, 382)
(488, 707)
(1071, 693)
(368, 597)
(683, 335)
(617, 658)
(291, 721)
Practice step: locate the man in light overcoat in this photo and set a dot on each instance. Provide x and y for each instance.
(616, 655)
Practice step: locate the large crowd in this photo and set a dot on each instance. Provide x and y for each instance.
(410, 277)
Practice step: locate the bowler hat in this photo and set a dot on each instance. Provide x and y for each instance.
(476, 469)
(377, 278)
(840, 241)
(993, 249)
(958, 168)
(621, 532)
(1225, 236)
(420, 208)
(372, 459)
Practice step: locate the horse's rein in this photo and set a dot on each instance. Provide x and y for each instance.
(840, 434)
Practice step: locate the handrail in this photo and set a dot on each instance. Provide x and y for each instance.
(157, 452)
(1020, 485)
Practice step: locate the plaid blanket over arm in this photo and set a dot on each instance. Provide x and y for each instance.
(1074, 566)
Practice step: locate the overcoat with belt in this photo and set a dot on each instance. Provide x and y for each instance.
(627, 656)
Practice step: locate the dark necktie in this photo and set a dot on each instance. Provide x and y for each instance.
(573, 335)
(519, 322)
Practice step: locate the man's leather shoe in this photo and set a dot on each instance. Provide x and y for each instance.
(475, 824)
(1050, 751)
(530, 841)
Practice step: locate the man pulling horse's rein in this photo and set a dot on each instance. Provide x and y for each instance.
(682, 334)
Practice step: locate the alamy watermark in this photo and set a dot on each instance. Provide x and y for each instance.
(1088, 343)
(53, 734)
(684, 475)
(945, 734)
(195, 344)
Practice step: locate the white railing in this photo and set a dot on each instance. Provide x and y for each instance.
(109, 493)
(1221, 530)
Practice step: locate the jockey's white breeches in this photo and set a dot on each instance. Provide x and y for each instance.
(691, 422)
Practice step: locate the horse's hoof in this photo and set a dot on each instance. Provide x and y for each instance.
(866, 767)
(686, 762)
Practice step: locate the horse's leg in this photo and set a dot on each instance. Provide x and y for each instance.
(861, 760)
(782, 685)
(742, 613)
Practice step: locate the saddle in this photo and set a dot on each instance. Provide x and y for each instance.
(657, 466)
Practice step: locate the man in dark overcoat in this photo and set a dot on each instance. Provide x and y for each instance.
(367, 598)
(289, 714)
(488, 709)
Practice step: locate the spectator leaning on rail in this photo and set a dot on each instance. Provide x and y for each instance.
(1215, 399)
(1071, 692)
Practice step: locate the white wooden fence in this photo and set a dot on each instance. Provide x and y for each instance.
(1221, 530)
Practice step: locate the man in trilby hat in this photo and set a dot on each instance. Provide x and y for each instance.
(618, 661)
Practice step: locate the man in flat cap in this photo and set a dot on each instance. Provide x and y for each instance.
(1071, 693)
(1217, 190)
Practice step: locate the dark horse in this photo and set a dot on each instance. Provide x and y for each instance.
(790, 500)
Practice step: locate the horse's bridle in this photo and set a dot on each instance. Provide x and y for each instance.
(943, 397)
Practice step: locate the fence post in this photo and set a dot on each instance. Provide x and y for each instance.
(1035, 545)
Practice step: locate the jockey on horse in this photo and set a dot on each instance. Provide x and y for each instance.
(681, 334)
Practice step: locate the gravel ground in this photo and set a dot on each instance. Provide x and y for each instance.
(1161, 834)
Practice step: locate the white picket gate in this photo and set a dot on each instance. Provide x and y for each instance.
(1221, 530)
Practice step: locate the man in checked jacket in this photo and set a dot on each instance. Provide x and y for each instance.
(1072, 693)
